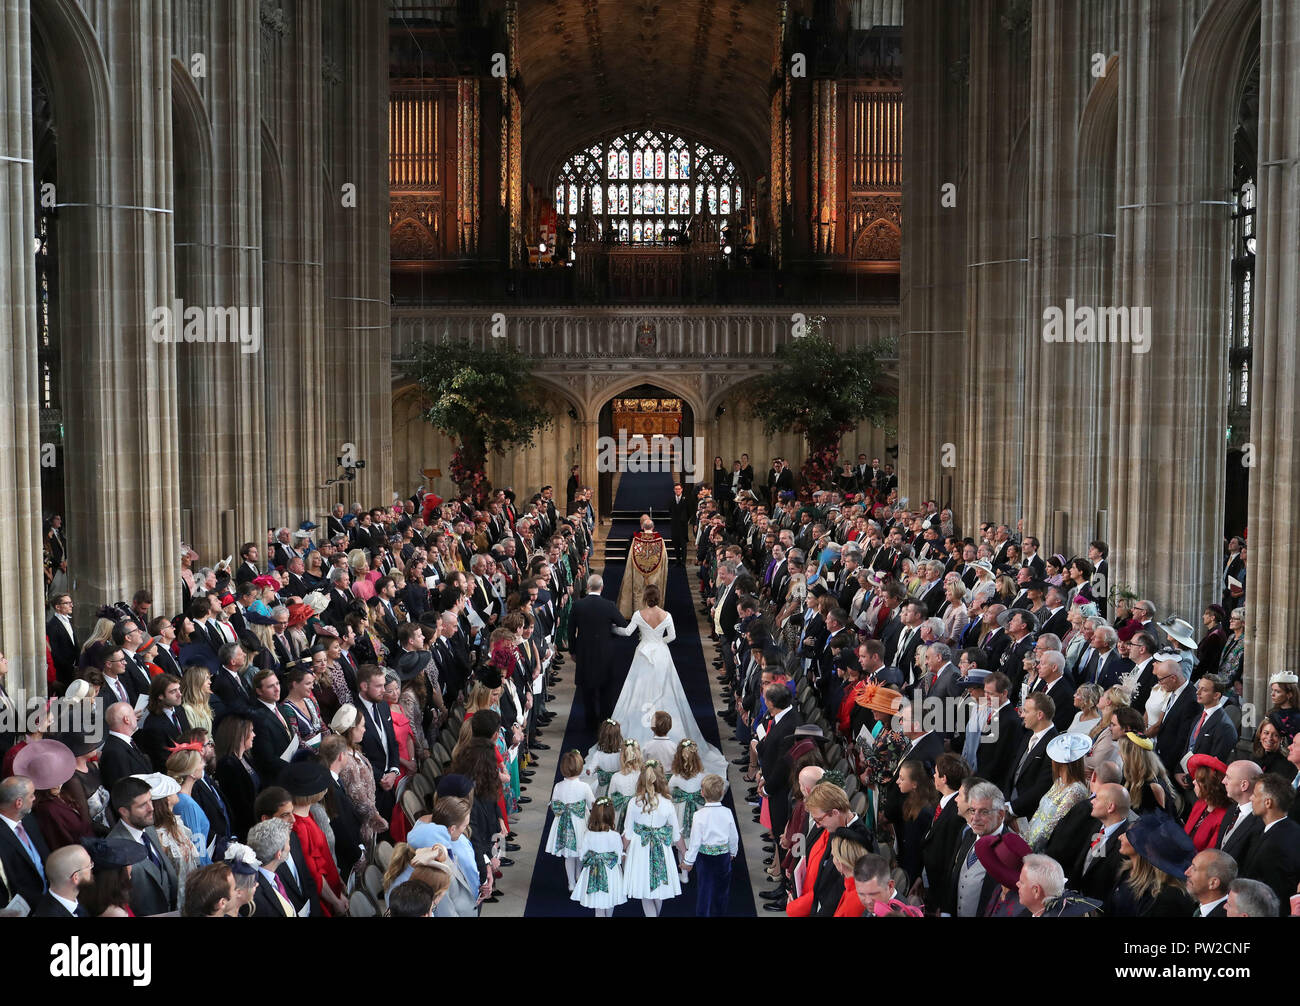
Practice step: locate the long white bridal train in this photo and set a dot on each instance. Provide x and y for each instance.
(652, 686)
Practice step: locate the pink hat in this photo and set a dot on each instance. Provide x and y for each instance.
(47, 763)
(1002, 856)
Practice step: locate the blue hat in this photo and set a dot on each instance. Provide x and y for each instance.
(347, 518)
(307, 526)
(974, 678)
(113, 853)
(1160, 840)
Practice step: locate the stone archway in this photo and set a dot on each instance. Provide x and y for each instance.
(652, 411)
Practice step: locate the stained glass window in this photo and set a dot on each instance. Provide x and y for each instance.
(626, 176)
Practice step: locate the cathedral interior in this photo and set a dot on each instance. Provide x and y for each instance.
(645, 196)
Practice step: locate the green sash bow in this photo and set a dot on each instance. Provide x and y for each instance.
(603, 778)
(657, 839)
(692, 802)
(564, 813)
(598, 865)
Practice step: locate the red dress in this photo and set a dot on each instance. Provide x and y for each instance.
(843, 718)
(1203, 825)
(405, 749)
(316, 851)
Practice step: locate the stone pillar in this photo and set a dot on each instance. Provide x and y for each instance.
(987, 470)
(1068, 388)
(219, 264)
(22, 612)
(1273, 613)
(934, 238)
(301, 455)
(359, 341)
(1167, 452)
(590, 432)
(116, 268)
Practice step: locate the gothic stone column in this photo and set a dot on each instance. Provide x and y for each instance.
(22, 608)
(934, 239)
(1273, 614)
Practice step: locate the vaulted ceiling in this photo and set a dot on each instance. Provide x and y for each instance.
(700, 67)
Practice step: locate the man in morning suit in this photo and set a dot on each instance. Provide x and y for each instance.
(165, 722)
(940, 842)
(1275, 859)
(996, 756)
(69, 869)
(379, 742)
(269, 839)
(680, 510)
(1031, 777)
(774, 753)
(1240, 828)
(969, 886)
(1208, 878)
(153, 879)
(592, 620)
(272, 735)
(121, 755)
(23, 852)
(64, 648)
(345, 818)
(1094, 871)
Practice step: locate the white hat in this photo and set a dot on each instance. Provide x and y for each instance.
(160, 785)
(345, 719)
(1180, 632)
(1066, 748)
(317, 601)
(1283, 678)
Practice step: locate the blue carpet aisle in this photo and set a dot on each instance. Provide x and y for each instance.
(548, 893)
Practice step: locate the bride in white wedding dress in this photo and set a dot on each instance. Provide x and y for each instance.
(652, 685)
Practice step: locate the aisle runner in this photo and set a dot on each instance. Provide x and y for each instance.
(548, 894)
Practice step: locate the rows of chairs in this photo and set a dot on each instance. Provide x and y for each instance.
(835, 754)
(415, 798)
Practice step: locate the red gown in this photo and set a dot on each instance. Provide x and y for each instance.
(316, 851)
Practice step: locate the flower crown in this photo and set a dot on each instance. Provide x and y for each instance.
(652, 761)
(687, 743)
(604, 800)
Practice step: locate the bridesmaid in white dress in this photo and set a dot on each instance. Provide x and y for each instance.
(684, 788)
(652, 685)
(600, 884)
(622, 785)
(605, 760)
(649, 835)
(571, 802)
